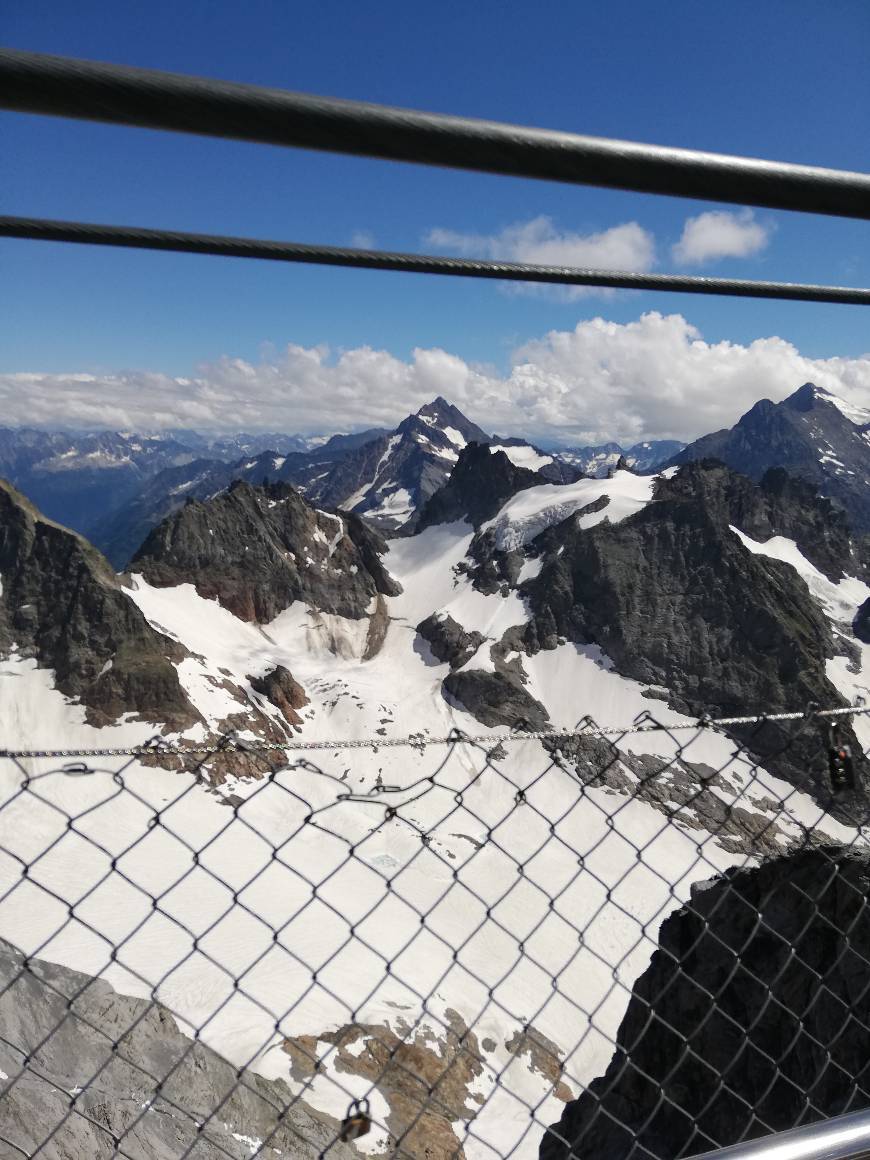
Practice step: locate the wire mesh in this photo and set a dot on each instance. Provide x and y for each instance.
(649, 942)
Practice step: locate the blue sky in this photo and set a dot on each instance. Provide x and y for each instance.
(785, 79)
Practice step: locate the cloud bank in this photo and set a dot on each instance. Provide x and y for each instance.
(652, 378)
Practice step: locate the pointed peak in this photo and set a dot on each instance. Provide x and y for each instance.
(806, 396)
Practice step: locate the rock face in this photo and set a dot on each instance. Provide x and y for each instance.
(783, 951)
(496, 698)
(448, 640)
(62, 604)
(80, 1066)
(480, 483)
(674, 598)
(809, 435)
(285, 693)
(258, 549)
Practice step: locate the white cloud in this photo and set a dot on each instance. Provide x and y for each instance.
(652, 378)
(538, 242)
(363, 240)
(720, 234)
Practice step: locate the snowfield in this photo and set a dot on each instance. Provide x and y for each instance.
(299, 912)
(532, 511)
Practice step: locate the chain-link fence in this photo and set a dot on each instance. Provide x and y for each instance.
(641, 942)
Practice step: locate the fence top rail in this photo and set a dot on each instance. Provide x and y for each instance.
(842, 1138)
(89, 90)
(174, 241)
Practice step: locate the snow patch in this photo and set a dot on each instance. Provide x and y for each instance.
(532, 511)
(523, 456)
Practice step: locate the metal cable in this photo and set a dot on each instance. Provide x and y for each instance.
(60, 86)
(419, 740)
(134, 237)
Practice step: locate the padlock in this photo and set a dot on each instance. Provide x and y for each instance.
(841, 768)
(357, 1121)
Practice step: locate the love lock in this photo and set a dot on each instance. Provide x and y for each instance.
(357, 1121)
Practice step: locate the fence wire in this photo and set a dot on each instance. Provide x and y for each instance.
(645, 943)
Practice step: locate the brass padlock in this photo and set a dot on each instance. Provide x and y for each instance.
(357, 1122)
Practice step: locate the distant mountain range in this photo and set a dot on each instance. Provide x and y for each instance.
(115, 486)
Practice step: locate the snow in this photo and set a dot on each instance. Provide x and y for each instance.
(856, 415)
(530, 569)
(532, 511)
(360, 494)
(840, 602)
(455, 437)
(350, 881)
(524, 456)
(278, 461)
(397, 504)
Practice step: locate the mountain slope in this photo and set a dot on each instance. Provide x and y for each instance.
(62, 605)
(257, 550)
(812, 434)
(778, 1050)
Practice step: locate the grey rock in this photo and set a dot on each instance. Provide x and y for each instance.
(62, 604)
(480, 483)
(674, 599)
(448, 640)
(91, 1074)
(751, 1018)
(258, 549)
(497, 698)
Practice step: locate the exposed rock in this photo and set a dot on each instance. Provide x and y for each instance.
(258, 549)
(480, 483)
(425, 1082)
(861, 623)
(496, 698)
(809, 436)
(62, 604)
(81, 1067)
(673, 597)
(286, 694)
(448, 640)
(752, 1017)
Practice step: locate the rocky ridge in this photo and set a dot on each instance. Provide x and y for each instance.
(61, 604)
(258, 549)
(813, 435)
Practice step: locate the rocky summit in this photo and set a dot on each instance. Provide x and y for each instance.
(813, 435)
(257, 550)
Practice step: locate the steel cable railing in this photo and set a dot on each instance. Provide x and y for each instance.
(37, 83)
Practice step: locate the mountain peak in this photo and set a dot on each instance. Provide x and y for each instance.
(442, 414)
(805, 396)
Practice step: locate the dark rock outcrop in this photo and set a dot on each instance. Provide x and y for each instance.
(285, 693)
(81, 1065)
(861, 623)
(674, 598)
(480, 483)
(62, 604)
(496, 698)
(751, 1018)
(258, 549)
(448, 640)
